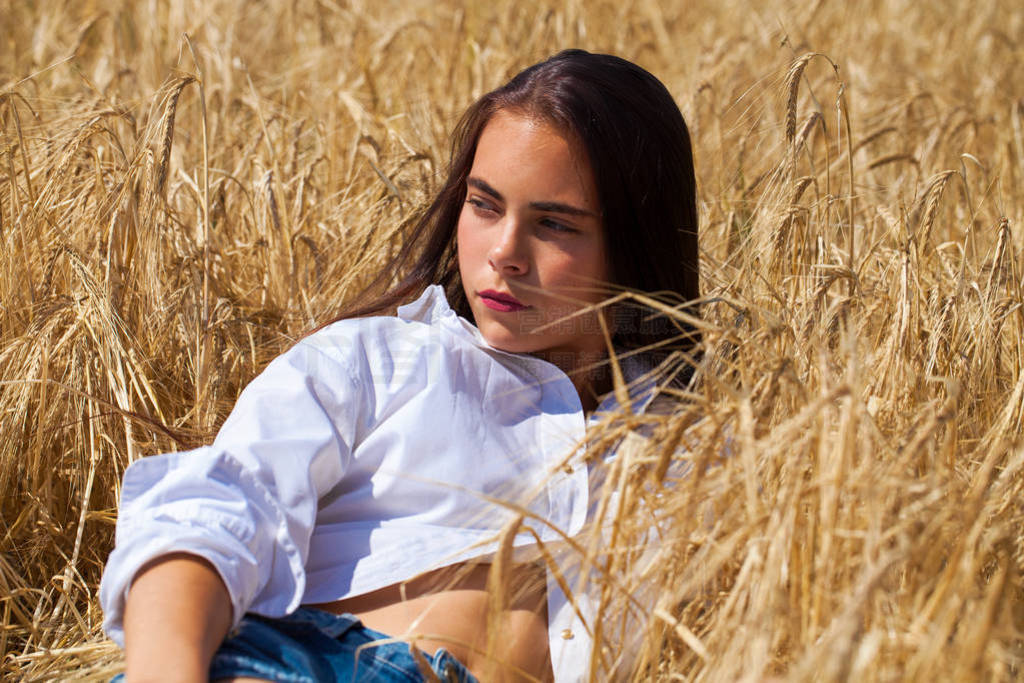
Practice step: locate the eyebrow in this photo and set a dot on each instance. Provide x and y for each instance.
(556, 207)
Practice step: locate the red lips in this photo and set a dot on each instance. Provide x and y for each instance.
(497, 301)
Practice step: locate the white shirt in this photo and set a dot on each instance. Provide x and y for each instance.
(373, 450)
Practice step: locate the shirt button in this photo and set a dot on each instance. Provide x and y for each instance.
(566, 634)
(567, 468)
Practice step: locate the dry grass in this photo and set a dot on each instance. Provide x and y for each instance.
(175, 211)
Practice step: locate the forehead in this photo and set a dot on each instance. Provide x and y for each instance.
(526, 152)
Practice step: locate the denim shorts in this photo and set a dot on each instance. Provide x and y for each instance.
(314, 646)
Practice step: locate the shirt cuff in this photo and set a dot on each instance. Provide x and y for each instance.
(237, 526)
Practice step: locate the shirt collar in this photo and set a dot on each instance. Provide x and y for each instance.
(432, 307)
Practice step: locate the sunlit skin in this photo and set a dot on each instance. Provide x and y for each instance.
(531, 243)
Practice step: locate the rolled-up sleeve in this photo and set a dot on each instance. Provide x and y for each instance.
(248, 502)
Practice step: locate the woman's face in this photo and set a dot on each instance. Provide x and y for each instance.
(531, 242)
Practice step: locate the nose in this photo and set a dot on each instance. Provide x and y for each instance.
(508, 254)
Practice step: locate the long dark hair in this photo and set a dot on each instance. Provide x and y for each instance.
(638, 147)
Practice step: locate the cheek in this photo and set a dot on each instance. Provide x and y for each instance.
(600, 268)
(585, 268)
(470, 250)
(462, 238)
(472, 255)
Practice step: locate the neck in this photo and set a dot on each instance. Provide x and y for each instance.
(588, 373)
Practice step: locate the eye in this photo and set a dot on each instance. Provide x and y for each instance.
(481, 205)
(557, 226)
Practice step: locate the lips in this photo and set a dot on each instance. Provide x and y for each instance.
(497, 301)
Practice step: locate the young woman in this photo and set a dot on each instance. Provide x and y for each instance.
(342, 523)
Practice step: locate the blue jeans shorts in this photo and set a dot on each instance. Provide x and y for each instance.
(314, 646)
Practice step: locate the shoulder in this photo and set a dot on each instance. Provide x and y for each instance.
(427, 325)
(351, 342)
(353, 339)
(425, 342)
(382, 353)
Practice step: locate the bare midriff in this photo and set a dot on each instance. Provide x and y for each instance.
(451, 608)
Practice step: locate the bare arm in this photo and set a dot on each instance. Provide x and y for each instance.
(178, 612)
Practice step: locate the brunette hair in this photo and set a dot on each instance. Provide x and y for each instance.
(638, 147)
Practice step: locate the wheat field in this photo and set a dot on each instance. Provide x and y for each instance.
(188, 187)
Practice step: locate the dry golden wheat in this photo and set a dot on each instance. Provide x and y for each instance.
(837, 498)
